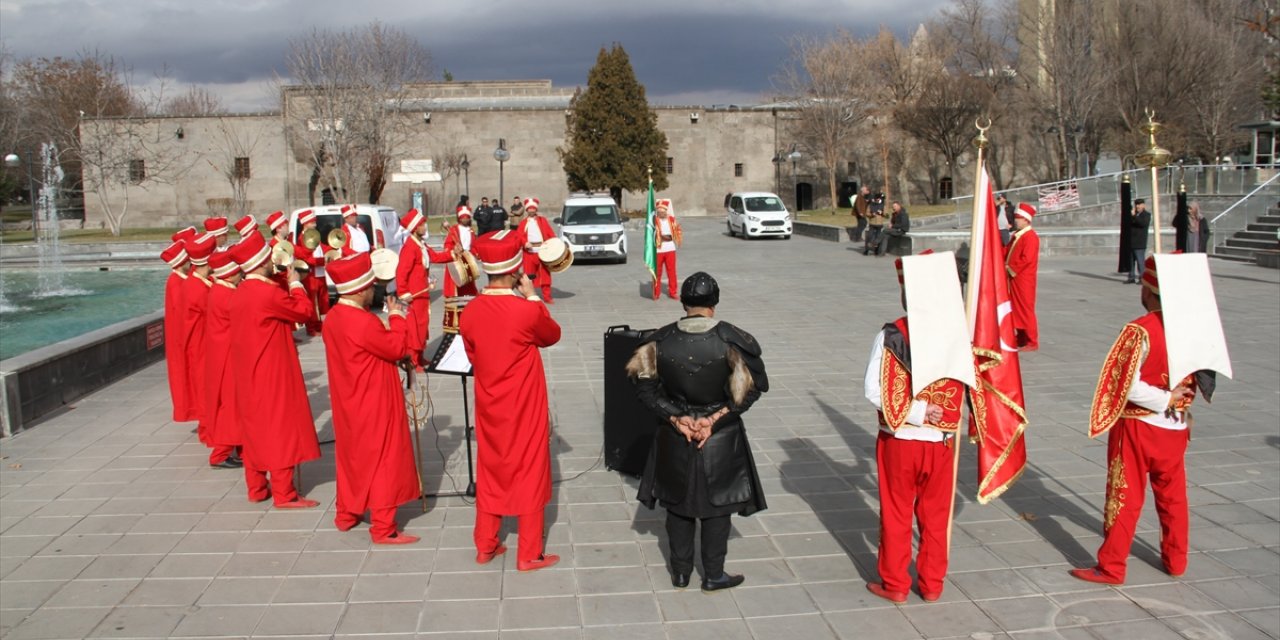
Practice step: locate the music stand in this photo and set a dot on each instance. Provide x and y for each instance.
(450, 358)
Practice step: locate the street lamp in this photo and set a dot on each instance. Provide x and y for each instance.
(794, 157)
(502, 156)
(466, 175)
(777, 170)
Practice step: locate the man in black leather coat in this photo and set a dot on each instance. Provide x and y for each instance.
(698, 376)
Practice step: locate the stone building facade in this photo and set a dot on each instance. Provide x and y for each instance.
(712, 151)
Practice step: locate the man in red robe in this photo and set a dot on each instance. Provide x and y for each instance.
(667, 238)
(456, 241)
(1022, 261)
(376, 471)
(270, 395)
(195, 297)
(502, 330)
(413, 280)
(315, 282)
(535, 230)
(278, 223)
(222, 432)
(915, 464)
(245, 225)
(1148, 425)
(175, 354)
(216, 226)
(357, 239)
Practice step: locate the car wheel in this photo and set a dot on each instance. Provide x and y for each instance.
(729, 225)
(622, 260)
(786, 237)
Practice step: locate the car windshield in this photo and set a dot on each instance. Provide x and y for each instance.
(590, 214)
(769, 203)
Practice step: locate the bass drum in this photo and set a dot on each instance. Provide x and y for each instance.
(384, 263)
(453, 312)
(555, 255)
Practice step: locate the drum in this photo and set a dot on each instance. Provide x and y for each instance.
(384, 263)
(555, 255)
(464, 269)
(453, 312)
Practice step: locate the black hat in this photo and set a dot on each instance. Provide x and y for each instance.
(700, 290)
(1139, 201)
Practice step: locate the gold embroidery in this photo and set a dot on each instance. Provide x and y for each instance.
(1115, 491)
(1118, 373)
(945, 394)
(895, 391)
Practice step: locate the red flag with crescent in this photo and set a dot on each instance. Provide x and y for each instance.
(998, 417)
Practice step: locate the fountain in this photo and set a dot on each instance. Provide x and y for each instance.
(48, 228)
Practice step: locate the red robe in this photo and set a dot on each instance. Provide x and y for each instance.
(175, 349)
(502, 333)
(271, 397)
(532, 265)
(451, 240)
(222, 428)
(1022, 260)
(375, 465)
(412, 285)
(195, 297)
(315, 283)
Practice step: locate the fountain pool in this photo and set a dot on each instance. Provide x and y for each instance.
(88, 300)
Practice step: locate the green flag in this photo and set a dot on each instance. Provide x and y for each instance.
(650, 248)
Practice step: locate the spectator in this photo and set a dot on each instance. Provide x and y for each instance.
(875, 223)
(899, 225)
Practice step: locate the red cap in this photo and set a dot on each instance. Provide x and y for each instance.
(175, 254)
(463, 211)
(306, 216)
(200, 248)
(245, 225)
(897, 264)
(1150, 279)
(1025, 211)
(348, 210)
(352, 274)
(223, 265)
(277, 220)
(663, 205)
(216, 225)
(530, 203)
(498, 253)
(251, 251)
(411, 219)
(182, 234)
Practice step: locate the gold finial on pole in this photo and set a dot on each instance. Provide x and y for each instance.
(1154, 157)
(981, 141)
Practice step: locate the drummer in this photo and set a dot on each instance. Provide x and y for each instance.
(413, 280)
(457, 243)
(536, 230)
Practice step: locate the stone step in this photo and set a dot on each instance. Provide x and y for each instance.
(1255, 245)
(1270, 218)
(1264, 226)
(1235, 252)
(1233, 258)
(1256, 234)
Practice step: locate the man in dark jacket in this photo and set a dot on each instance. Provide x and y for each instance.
(1139, 222)
(497, 218)
(899, 225)
(698, 376)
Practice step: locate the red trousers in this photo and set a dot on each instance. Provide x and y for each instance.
(1136, 450)
(666, 261)
(486, 534)
(915, 477)
(220, 452)
(382, 522)
(318, 293)
(536, 270)
(280, 489)
(419, 331)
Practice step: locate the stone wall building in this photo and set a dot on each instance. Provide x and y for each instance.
(219, 164)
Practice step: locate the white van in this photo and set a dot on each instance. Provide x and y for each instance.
(380, 223)
(592, 228)
(756, 214)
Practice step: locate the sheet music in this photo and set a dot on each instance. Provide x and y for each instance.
(454, 359)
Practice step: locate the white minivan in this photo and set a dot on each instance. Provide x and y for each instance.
(380, 223)
(592, 228)
(757, 214)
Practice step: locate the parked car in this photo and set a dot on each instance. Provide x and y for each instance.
(380, 223)
(591, 226)
(757, 214)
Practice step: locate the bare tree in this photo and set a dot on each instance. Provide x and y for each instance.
(346, 107)
(195, 101)
(234, 146)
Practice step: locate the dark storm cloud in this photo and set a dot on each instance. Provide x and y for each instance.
(677, 48)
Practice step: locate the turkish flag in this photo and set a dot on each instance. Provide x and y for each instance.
(998, 416)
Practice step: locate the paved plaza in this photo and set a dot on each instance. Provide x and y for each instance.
(113, 525)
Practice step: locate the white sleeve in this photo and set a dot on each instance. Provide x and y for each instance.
(871, 384)
(1145, 395)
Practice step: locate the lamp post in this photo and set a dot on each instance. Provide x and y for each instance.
(794, 157)
(777, 170)
(502, 156)
(12, 161)
(466, 174)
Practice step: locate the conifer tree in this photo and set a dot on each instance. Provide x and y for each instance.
(612, 135)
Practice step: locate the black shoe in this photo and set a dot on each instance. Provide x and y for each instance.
(679, 580)
(1131, 281)
(725, 581)
(229, 463)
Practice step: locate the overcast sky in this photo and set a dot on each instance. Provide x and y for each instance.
(684, 52)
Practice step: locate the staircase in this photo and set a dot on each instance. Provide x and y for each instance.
(1255, 242)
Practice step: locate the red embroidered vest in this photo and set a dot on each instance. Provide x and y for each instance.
(895, 388)
(1110, 398)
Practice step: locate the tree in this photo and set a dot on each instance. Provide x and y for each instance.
(345, 108)
(234, 147)
(196, 101)
(612, 135)
(826, 84)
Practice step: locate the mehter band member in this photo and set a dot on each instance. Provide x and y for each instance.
(376, 470)
(195, 298)
(457, 241)
(315, 282)
(216, 226)
(668, 237)
(222, 433)
(175, 355)
(271, 396)
(536, 230)
(413, 280)
(502, 330)
(699, 375)
(1022, 263)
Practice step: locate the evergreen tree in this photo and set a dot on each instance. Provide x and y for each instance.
(613, 137)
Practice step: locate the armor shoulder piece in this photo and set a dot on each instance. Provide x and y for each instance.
(660, 334)
(739, 338)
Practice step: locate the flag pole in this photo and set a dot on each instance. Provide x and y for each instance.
(1155, 158)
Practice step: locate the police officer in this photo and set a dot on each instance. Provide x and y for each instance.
(698, 375)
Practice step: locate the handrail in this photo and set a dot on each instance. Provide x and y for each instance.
(1244, 199)
(1115, 176)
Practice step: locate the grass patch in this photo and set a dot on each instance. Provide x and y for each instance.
(843, 217)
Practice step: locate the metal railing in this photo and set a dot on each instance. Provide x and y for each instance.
(1243, 212)
(1103, 189)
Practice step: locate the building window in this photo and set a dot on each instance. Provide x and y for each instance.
(852, 169)
(737, 169)
(137, 171)
(671, 166)
(242, 169)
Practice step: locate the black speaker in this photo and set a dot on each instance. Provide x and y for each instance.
(628, 424)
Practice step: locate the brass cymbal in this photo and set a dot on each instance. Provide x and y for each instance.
(311, 239)
(337, 238)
